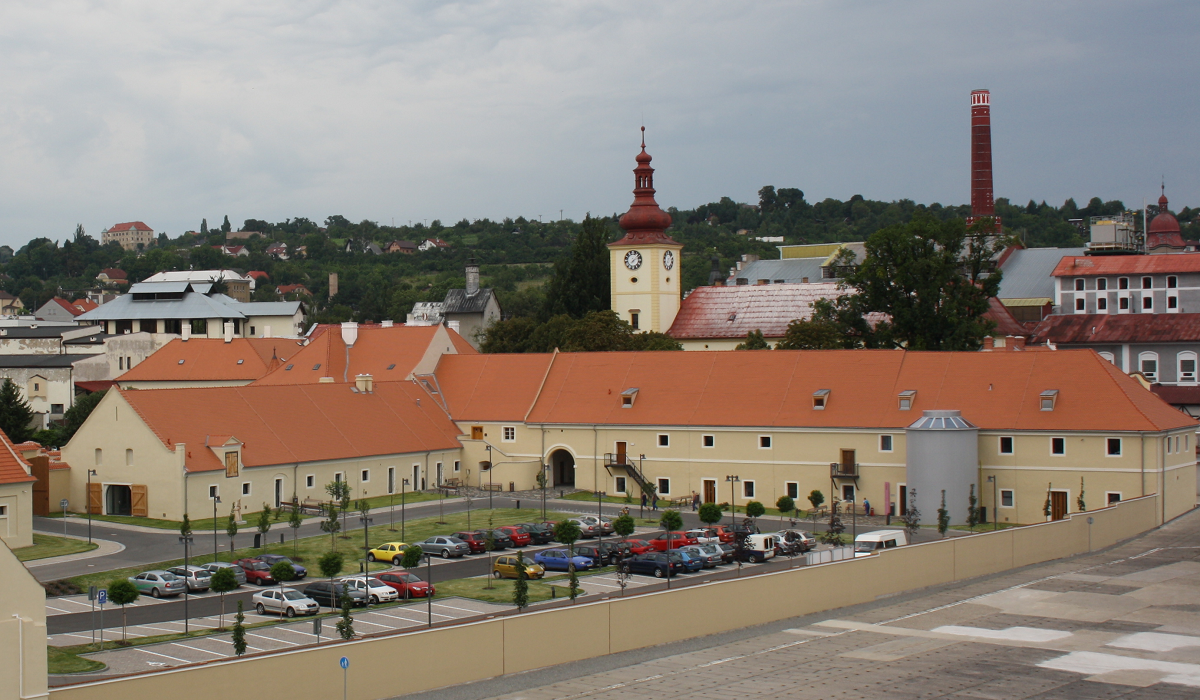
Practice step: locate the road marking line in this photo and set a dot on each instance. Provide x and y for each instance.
(206, 651)
(373, 624)
(449, 617)
(297, 631)
(272, 639)
(147, 651)
(473, 612)
(56, 609)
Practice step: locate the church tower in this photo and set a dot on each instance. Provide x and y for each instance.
(645, 264)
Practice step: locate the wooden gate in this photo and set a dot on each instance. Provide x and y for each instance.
(95, 498)
(138, 501)
(40, 468)
(710, 490)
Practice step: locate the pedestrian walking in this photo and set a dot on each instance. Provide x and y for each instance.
(866, 507)
(695, 501)
(643, 499)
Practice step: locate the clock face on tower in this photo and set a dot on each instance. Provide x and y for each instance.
(633, 260)
(668, 260)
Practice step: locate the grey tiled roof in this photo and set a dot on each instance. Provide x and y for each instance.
(458, 302)
(1027, 272)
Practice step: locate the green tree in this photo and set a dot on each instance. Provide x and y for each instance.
(185, 527)
(1079, 501)
(282, 572)
(520, 594)
(912, 516)
(754, 341)
(122, 592)
(231, 529)
(411, 559)
(331, 564)
(294, 522)
(339, 490)
(833, 532)
(755, 510)
(581, 282)
(931, 278)
(624, 526)
(568, 532)
(225, 226)
(345, 626)
(15, 413)
(239, 631)
(710, 513)
(812, 334)
(672, 521)
(264, 522)
(331, 525)
(1046, 509)
(78, 413)
(943, 516)
(972, 508)
(203, 227)
(816, 498)
(784, 504)
(223, 581)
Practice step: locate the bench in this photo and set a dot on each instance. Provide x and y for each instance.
(492, 487)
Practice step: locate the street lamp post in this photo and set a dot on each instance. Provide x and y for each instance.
(733, 479)
(545, 482)
(403, 483)
(186, 540)
(600, 523)
(217, 500)
(90, 474)
(392, 506)
(429, 591)
(995, 504)
(489, 449)
(366, 540)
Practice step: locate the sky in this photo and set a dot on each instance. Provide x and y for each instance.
(169, 112)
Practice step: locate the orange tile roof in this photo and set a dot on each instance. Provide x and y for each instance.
(1086, 266)
(375, 350)
(13, 467)
(212, 359)
(774, 388)
(491, 387)
(288, 424)
(85, 304)
(461, 344)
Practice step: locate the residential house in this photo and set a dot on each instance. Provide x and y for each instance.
(9, 304)
(47, 382)
(188, 308)
(237, 251)
(112, 275)
(297, 289)
(16, 497)
(473, 309)
(278, 250)
(237, 285)
(59, 309)
(132, 235)
(407, 247)
(428, 244)
(257, 276)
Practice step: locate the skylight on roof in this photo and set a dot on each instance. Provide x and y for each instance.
(181, 362)
(288, 368)
(392, 366)
(240, 361)
(317, 366)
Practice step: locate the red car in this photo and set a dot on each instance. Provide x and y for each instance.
(723, 532)
(407, 585)
(678, 539)
(474, 540)
(517, 534)
(639, 546)
(258, 572)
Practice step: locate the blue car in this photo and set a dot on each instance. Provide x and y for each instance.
(692, 562)
(557, 560)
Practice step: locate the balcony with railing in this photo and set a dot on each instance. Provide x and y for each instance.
(619, 459)
(843, 470)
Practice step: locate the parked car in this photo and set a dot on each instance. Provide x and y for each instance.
(691, 562)
(475, 542)
(388, 551)
(257, 571)
(158, 583)
(587, 530)
(727, 552)
(868, 543)
(657, 564)
(559, 559)
(288, 602)
(330, 594)
(517, 534)
(708, 554)
(197, 578)
(678, 539)
(757, 548)
(603, 553)
(238, 572)
(445, 546)
(273, 559)
(500, 539)
(639, 546)
(723, 532)
(407, 585)
(509, 566)
(792, 542)
(704, 535)
(376, 591)
(539, 533)
(603, 524)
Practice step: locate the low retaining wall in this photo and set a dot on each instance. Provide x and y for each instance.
(417, 661)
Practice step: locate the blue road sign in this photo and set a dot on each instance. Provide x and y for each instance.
(345, 663)
(102, 596)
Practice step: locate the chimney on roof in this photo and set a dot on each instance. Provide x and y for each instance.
(349, 333)
(989, 344)
(1019, 342)
(714, 275)
(472, 277)
(185, 330)
(387, 323)
(229, 331)
(365, 383)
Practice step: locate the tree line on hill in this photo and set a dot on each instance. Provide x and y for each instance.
(516, 255)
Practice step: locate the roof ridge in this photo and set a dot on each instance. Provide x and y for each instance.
(1108, 371)
(538, 394)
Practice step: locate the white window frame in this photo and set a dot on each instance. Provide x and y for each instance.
(1122, 283)
(708, 438)
(1012, 498)
(1102, 284)
(1102, 303)
(1118, 494)
(620, 484)
(1108, 447)
(310, 481)
(245, 488)
(457, 465)
(214, 491)
(1123, 305)
(1172, 282)
(1064, 444)
(1112, 359)
(891, 439)
(663, 440)
(1000, 445)
(749, 485)
(1080, 285)
(787, 487)
(1147, 282)
(364, 476)
(391, 482)
(658, 481)
(338, 476)
(1080, 305)
(508, 433)
(1172, 304)
(1152, 376)
(1179, 360)
(768, 440)
(1148, 303)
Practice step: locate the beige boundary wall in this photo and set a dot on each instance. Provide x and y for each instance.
(426, 660)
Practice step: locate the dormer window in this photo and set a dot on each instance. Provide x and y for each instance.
(1048, 398)
(820, 399)
(628, 396)
(907, 398)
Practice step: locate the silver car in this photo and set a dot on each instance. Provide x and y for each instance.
(288, 602)
(587, 530)
(445, 545)
(197, 578)
(158, 583)
(238, 572)
(708, 554)
(604, 524)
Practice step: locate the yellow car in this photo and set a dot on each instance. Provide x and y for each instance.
(506, 567)
(389, 551)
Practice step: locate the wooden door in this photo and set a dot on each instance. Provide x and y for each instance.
(39, 467)
(1058, 505)
(621, 453)
(710, 490)
(903, 499)
(138, 501)
(848, 462)
(95, 498)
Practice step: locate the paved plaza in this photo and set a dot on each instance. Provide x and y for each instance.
(1124, 623)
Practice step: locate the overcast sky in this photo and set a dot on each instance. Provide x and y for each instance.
(167, 112)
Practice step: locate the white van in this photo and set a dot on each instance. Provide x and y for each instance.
(868, 543)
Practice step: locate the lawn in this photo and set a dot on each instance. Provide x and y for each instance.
(308, 550)
(50, 546)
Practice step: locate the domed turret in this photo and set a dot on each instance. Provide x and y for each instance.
(645, 222)
(1163, 232)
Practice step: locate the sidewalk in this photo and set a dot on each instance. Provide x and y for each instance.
(104, 548)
